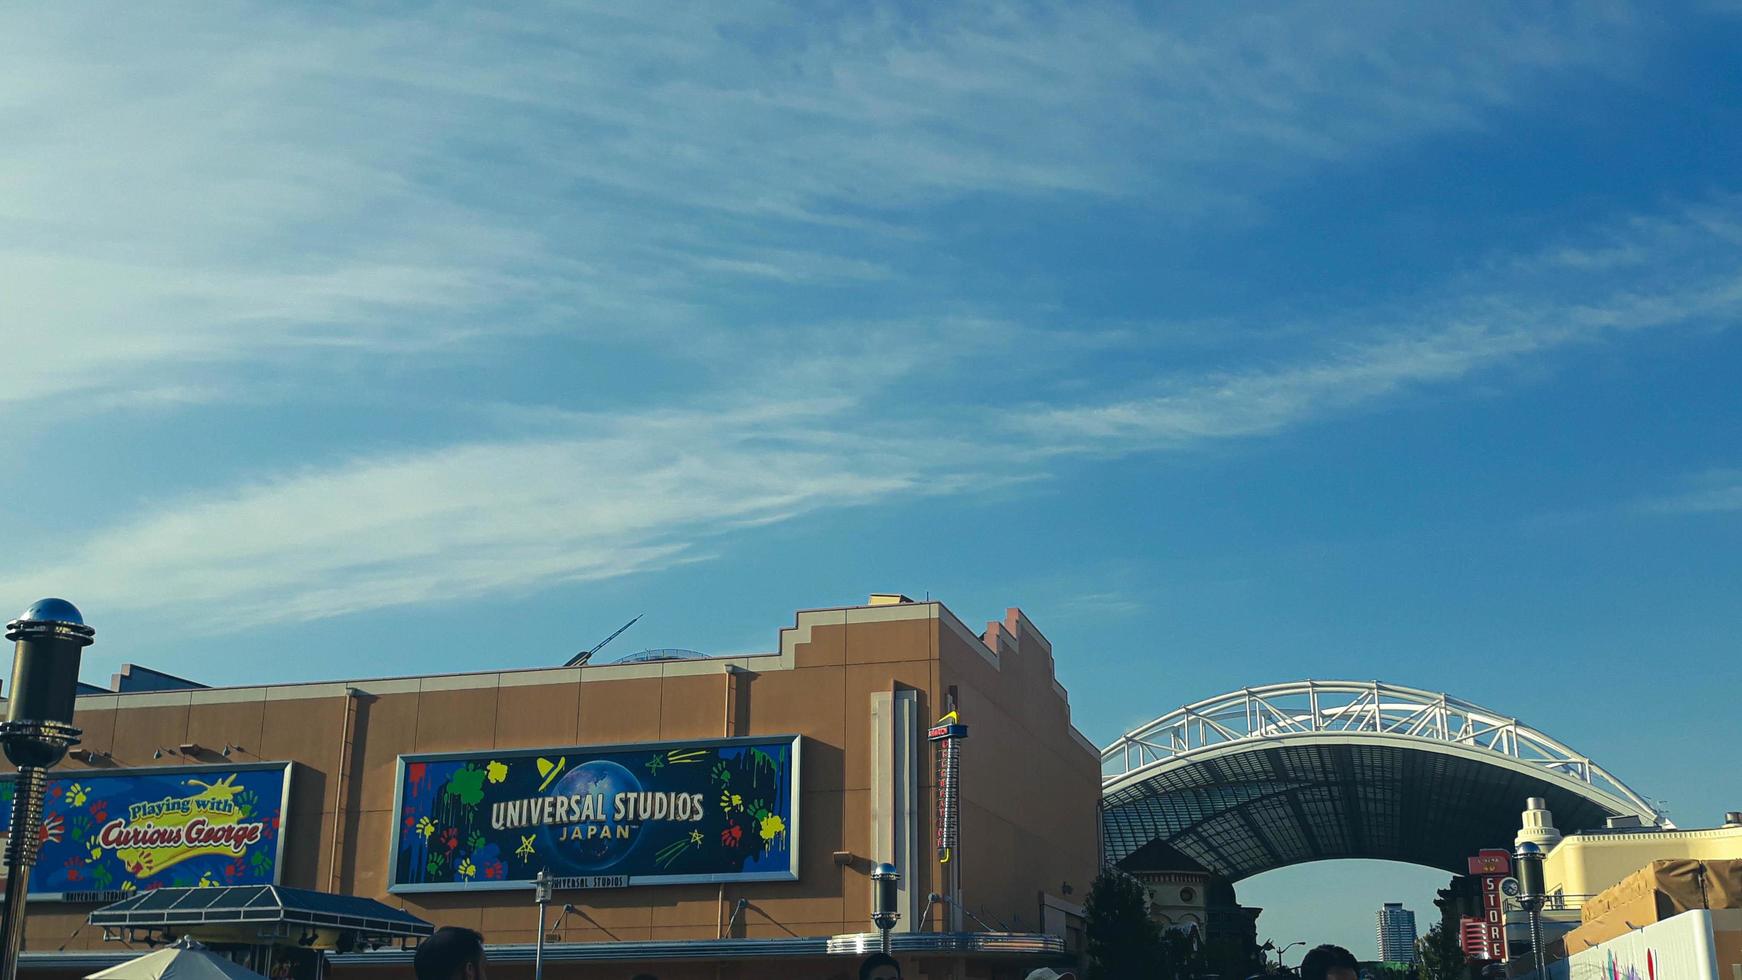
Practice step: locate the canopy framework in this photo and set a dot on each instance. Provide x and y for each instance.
(1283, 774)
(267, 913)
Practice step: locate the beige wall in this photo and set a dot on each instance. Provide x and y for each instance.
(1030, 782)
(1586, 864)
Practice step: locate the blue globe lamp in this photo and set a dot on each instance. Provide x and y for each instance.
(51, 636)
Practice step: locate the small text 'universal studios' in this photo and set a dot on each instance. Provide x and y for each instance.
(629, 807)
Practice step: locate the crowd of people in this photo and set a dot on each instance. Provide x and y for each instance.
(453, 953)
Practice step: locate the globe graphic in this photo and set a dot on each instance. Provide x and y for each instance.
(593, 854)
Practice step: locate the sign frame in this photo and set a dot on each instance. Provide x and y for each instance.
(796, 828)
(288, 768)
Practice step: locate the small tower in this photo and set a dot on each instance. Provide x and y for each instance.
(1539, 828)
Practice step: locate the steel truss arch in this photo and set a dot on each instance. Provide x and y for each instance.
(1328, 750)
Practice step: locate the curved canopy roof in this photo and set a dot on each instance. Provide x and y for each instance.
(1288, 773)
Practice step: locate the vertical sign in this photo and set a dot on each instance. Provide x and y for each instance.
(1491, 867)
(948, 734)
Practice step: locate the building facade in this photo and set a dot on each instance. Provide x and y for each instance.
(1396, 933)
(1579, 866)
(766, 789)
(1186, 898)
(1587, 863)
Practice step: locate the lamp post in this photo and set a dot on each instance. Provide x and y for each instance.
(883, 914)
(1285, 949)
(1528, 861)
(541, 891)
(51, 635)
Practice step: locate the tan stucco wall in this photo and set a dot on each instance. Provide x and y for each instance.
(1586, 864)
(1030, 782)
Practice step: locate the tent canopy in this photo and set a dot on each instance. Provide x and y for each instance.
(186, 960)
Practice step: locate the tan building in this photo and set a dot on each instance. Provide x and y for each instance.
(1178, 900)
(1186, 898)
(1578, 867)
(1584, 864)
(852, 689)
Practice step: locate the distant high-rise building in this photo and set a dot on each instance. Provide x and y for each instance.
(1396, 933)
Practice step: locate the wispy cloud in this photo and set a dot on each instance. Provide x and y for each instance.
(1099, 604)
(1679, 269)
(192, 188)
(192, 191)
(617, 496)
(597, 495)
(1711, 492)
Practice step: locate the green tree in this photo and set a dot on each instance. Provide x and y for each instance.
(1438, 955)
(1230, 957)
(1182, 956)
(1124, 943)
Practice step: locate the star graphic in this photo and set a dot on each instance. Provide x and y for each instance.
(525, 849)
(696, 837)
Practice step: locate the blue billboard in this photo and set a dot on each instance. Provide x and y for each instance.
(656, 813)
(106, 834)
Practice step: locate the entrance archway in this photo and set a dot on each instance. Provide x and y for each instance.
(1283, 774)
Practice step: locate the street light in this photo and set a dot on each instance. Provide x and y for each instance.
(883, 914)
(36, 734)
(541, 892)
(1528, 860)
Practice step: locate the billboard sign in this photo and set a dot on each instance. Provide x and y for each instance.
(108, 833)
(654, 813)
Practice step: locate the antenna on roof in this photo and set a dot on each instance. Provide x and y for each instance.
(580, 659)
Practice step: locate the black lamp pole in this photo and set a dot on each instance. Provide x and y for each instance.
(884, 914)
(38, 730)
(542, 887)
(1528, 859)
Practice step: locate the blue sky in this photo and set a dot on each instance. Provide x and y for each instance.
(1319, 340)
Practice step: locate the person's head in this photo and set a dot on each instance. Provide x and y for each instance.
(880, 966)
(1330, 963)
(450, 953)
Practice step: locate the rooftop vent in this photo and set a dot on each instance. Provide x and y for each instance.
(1733, 818)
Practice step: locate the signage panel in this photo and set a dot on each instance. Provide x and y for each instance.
(654, 813)
(108, 833)
(590, 882)
(1491, 862)
(1490, 867)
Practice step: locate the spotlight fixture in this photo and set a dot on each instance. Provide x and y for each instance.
(190, 748)
(158, 754)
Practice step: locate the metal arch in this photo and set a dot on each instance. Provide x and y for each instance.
(1350, 708)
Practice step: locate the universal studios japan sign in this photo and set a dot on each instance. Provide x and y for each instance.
(643, 814)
